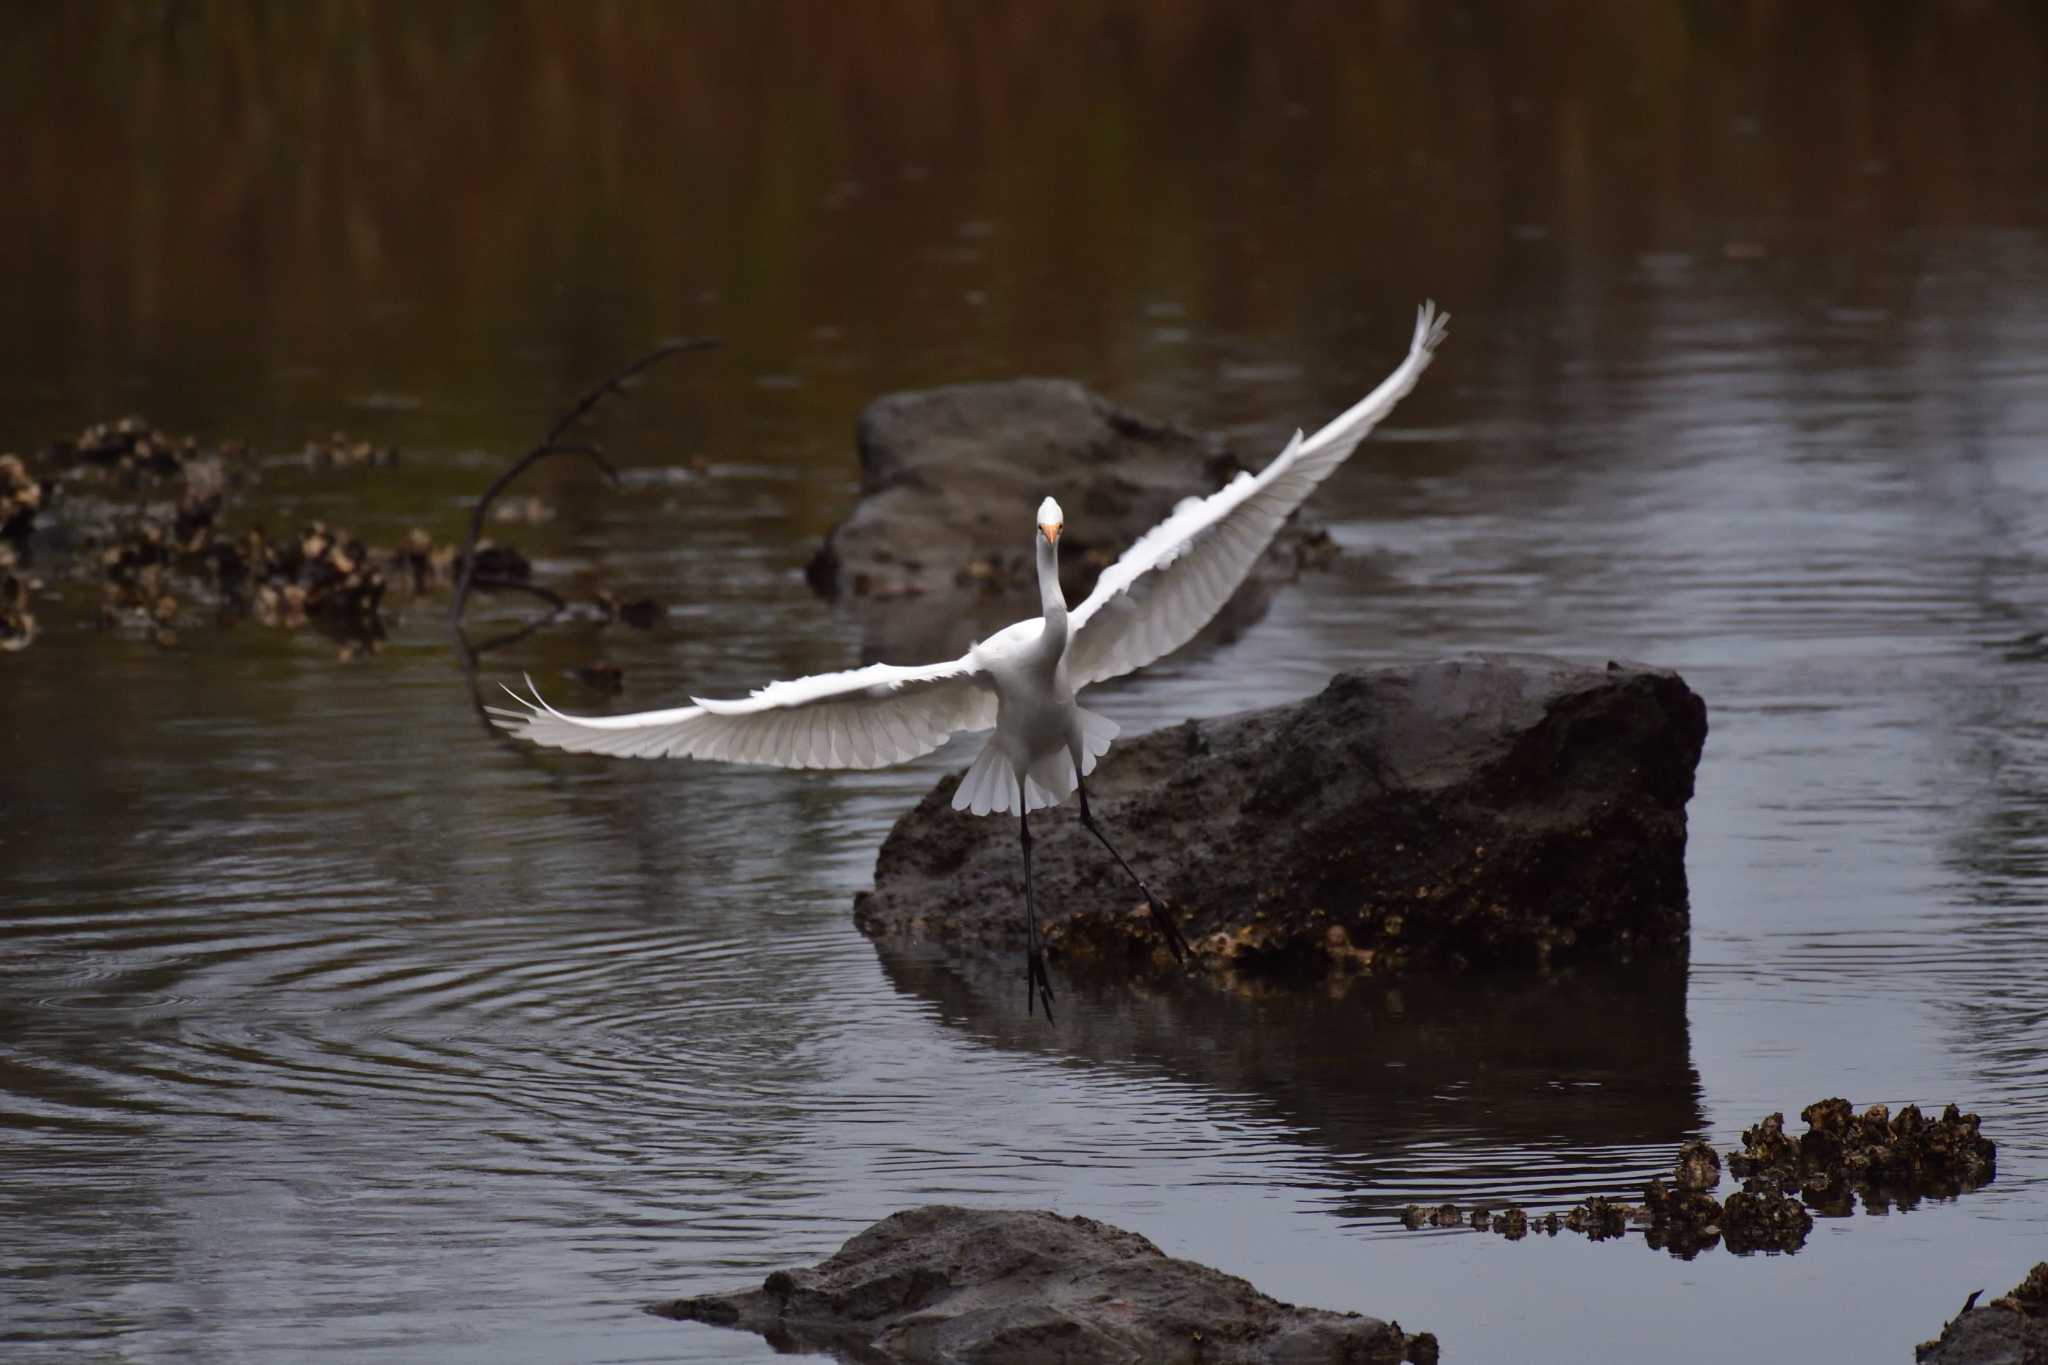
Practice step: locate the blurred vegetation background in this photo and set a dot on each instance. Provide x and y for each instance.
(273, 215)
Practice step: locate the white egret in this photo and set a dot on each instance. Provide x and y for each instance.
(1022, 680)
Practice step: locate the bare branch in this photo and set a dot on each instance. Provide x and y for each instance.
(553, 444)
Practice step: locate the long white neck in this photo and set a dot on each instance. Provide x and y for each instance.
(1051, 600)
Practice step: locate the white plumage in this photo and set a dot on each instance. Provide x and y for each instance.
(1021, 680)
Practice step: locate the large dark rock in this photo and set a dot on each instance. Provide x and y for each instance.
(938, 551)
(2012, 1330)
(981, 1286)
(1511, 811)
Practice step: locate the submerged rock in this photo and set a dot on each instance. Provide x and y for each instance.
(1504, 810)
(938, 550)
(2010, 1330)
(940, 1283)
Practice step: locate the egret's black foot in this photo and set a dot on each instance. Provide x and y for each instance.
(1169, 929)
(1037, 983)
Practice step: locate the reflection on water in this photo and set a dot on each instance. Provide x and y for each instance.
(330, 1026)
(1435, 1088)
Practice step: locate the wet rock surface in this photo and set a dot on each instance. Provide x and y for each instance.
(940, 1283)
(937, 552)
(2010, 1330)
(1890, 1162)
(1513, 811)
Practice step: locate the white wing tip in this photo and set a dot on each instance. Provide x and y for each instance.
(533, 711)
(506, 718)
(1430, 328)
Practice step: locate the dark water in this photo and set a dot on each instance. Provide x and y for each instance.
(330, 1027)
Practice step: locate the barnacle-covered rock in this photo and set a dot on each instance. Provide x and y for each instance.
(17, 623)
(129, 445)
(1600, 1218)
(421, 564)
(980, 1286)
(1764, 1220)
(1698, 1167)
(1767, 1153)
(21, 497)
(1683, 1221)
(339, 450)
(1883, 1157)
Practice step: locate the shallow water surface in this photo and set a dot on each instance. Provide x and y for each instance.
(333, 1027)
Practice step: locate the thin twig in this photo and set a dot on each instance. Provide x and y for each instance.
(473, 652)
(552, 444)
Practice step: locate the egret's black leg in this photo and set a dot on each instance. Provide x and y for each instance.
(1162, 918)
(1037, 982)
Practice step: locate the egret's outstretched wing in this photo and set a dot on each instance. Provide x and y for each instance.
(863, 718)
(1179, 574)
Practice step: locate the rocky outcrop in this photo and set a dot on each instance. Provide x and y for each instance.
(979, 1286)
(1510, 811)
(937, 553)
(2010, 1330)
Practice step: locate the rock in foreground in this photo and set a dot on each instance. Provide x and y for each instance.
(986, 1285)
(2012, 1330)
(937, 553)
(1489, 811)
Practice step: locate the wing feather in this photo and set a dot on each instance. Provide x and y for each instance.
(862, 718)
(901, 746)
(1177, 576)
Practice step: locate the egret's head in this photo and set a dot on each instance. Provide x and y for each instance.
(1050, 520)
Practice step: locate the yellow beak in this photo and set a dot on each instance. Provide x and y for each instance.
(1050, 530)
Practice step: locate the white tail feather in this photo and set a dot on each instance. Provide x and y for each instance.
(1097, 734)
(989, 786)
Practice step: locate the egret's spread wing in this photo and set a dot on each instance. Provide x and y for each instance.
(1180, 573)
(863, 718)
